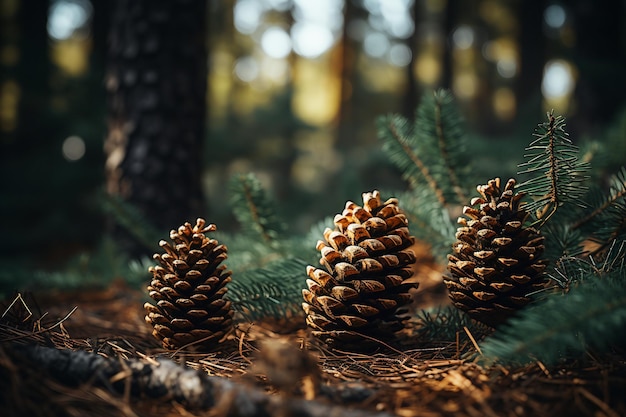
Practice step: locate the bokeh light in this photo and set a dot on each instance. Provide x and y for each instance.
(311, 40)
(73, 148)
(276, 42)
(246, 69)
(555, 16)
(558, 79)
(463, 37)
(247, 16)
(67, 18)
(317, 26)
(399, 55)
(376, 44)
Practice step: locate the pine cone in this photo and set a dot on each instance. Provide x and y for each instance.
(365, 282)
(496, 261)
(188, 288)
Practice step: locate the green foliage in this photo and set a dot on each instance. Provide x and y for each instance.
(430, 150)
(589, 312)
(429, 221)
(255, 210)
(130, 219)
(556, 173)
(245, 253)
(447, 324)
(586, 310)
(587, 307)
(561, 240)
(268, 264)
(305, 247)
(264, 238)
(592, 315)
(605, 221)
(275, 290)
(606, 152)
(96, 268)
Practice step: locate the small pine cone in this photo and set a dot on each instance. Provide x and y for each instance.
(364, 284)
(188, 288)
(496, 262)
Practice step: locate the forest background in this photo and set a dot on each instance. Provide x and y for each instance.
(293, 89)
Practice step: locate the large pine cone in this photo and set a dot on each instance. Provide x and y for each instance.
(364, 286)
(496, 261)
(188, 289)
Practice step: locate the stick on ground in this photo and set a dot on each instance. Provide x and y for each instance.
(168, 380)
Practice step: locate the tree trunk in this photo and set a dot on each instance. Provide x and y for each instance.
(156, 83)
(532, 55)
(346, 66)
(411, 98)
(28, 202)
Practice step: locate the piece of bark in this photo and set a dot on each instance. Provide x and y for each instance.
(168, 380)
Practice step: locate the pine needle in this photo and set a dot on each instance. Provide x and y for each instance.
(447, 125)
(557, 173)
(130, 218)
(617, 193)
(592, 315)
(395, 126)
(430, 150)
(255, 210)
(272, 291)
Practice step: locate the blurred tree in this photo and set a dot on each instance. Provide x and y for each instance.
(600, 55)
(347, 58)
(29, 206)
(411, 96)
(532, 53)
(156, 81)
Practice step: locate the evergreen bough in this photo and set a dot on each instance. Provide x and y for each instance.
(583, 225)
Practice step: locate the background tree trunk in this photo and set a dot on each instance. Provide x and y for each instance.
(156, 83)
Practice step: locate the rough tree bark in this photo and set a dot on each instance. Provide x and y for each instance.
(156, 83)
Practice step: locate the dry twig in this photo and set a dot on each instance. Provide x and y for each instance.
(194, 389)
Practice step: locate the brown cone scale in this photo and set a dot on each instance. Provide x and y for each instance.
(363, 286)
(496, 261)
(188, 287)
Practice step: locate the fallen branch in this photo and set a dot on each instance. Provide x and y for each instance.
(168, 380)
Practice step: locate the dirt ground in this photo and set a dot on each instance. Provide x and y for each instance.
(282, 360)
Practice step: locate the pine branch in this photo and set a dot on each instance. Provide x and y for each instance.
(130, 219)
(562, 240)
(558, 174)
(245, 252)
(95, 268)
(448, 132)
(164, 379)
(617, 193)
(570, 270)
(445, 324)
(254, 210)
(274, 291)
(429, 151)
(606, 219)
(305, 247)
(613, 230)
(429, 221)
(592, 315)
(405, 156)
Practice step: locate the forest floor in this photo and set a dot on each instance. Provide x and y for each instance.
(283, 362)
